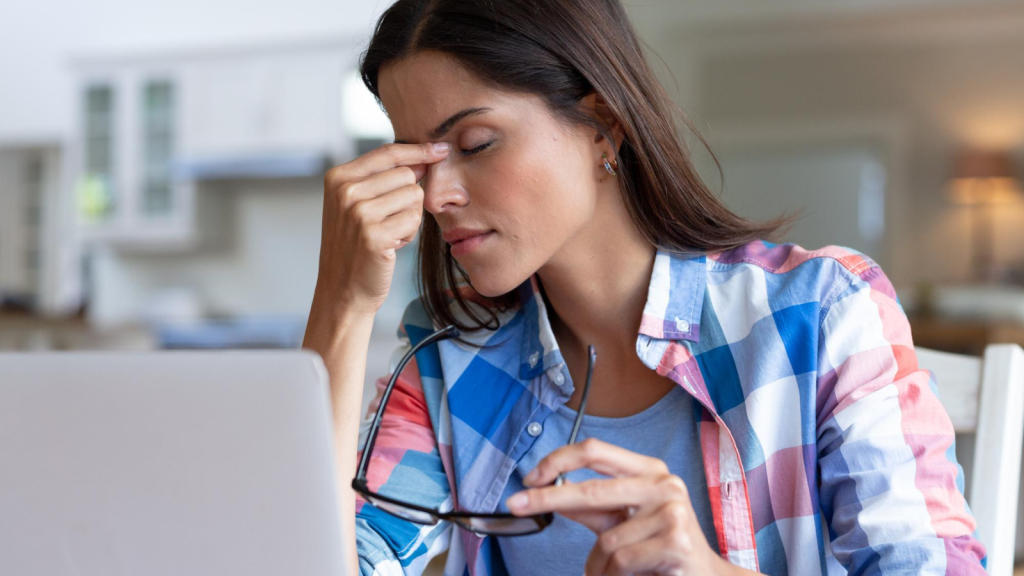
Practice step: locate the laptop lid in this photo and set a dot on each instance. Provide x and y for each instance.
(183, 462)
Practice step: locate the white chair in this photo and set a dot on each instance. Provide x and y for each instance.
(985, 396)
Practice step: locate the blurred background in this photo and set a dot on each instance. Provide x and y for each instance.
(161, 162)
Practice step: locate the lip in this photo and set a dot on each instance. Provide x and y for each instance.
(458, 234)
(467, 245)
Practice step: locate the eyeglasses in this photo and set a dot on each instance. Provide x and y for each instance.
(482, 523)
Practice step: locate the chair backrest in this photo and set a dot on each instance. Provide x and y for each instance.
(986, 396)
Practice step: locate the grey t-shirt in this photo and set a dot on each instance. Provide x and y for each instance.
(667, 430)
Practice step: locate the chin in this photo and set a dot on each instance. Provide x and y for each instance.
(497, 283)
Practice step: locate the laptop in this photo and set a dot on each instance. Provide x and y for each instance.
(161, 463)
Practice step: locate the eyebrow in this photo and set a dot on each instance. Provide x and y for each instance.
(440, 131)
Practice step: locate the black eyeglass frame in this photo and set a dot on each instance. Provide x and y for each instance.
(360, 485)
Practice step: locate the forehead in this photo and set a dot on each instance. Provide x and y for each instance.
(422, 90)
(424, 79)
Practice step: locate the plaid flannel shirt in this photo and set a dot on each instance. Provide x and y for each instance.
(825, 447)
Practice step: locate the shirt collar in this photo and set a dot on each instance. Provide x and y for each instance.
(675, 298)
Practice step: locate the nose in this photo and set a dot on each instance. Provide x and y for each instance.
(442, 190)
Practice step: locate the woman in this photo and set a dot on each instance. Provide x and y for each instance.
(757, 407)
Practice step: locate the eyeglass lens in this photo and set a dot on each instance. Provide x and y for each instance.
(500, 526)
(417, 516)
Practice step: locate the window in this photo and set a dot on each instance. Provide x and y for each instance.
(97, 195)
(158, 146)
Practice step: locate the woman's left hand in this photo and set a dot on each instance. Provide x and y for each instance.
(641, 515)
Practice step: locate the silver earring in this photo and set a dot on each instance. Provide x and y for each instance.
(608, 166)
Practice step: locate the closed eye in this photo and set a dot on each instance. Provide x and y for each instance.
(477, 149)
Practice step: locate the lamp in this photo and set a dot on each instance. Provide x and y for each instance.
(981, 179)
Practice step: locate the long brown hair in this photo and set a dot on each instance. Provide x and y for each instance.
(563, 50)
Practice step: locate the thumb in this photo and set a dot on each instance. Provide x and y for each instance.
(597, 521)
(420, 170)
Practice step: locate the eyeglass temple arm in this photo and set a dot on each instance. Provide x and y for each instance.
(449, 331)
(591, 358)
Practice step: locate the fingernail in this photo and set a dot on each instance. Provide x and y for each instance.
(441, 146)
(517, 500)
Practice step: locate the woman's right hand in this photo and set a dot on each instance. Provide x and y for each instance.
(372, 207)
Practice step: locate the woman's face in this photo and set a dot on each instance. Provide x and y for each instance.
(513, 169)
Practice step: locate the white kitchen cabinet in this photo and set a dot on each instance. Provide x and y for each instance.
(127, 135)
(152, 128)
(263, 104)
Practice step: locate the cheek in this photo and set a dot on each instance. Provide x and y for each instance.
(511, 193)
(534, 193)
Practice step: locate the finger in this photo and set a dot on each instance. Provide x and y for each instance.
(634, 530)
(408, 197)
(599, 456)
(400, 227)
(389, 156)
(642, 492)
(597, 521)
(660, 554)
(353, 192)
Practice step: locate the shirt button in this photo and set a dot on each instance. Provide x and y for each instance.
(682, 325)
(559, 378)
(534, 428)
(534, 358)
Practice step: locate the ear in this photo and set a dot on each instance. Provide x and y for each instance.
(597, 107)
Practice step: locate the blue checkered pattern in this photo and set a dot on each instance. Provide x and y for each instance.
(824, 446)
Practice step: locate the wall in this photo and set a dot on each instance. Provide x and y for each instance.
(947, 90)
